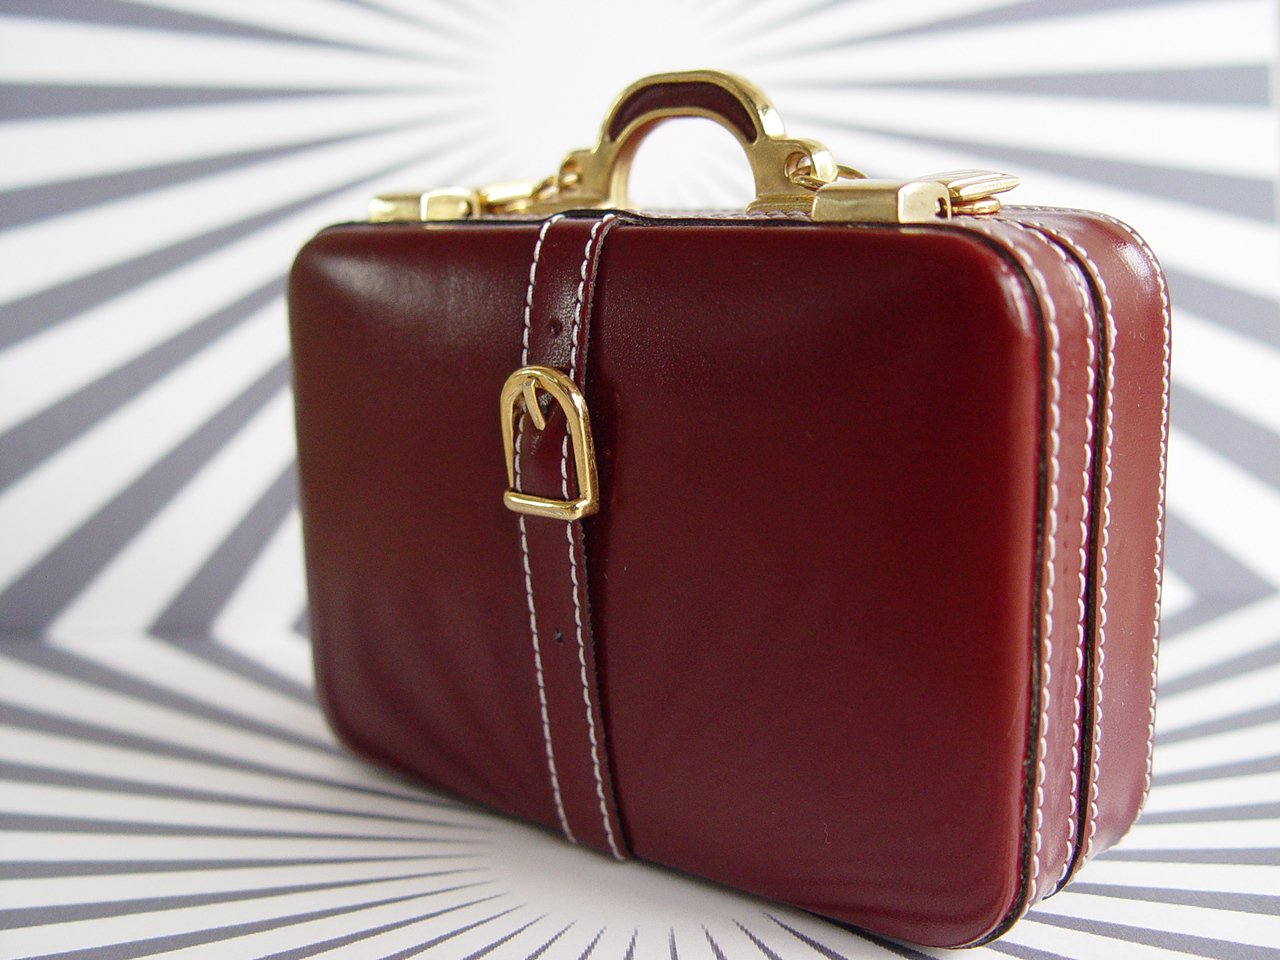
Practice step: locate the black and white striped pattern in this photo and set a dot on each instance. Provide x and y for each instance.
(168, 784)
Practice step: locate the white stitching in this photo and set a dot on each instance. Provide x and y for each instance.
(590, 252)
(542, 690)
(1166, 317)
(1108, 440)
(1046, 673)
(1091, 382)
(1166, 331)
(524, 549)
(528, 299)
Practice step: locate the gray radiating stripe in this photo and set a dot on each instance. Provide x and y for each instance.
(1261, 857)
(890, 946)
(31, 823)
(1262, 903)
(631, 947)
(74, 730)
(592, 945)
(770, 954)
(229, 659)
(32, 442)
(120, 13)
(27, 204)
(1167, 940)
(1234, 667)
(418, 18)
(1244, 442)
(1023, 952)
(1222, 584)
(489, 948)
(33, 601)
(67, 664)
(45, 308)
(24, 773)
(65, 913)
(1243, 196)
(715, 947)
(672, 952)
(1027, 10)
(436, 941)
(346, 939)
(793, 13)
(1247, 86)
(1252, 811)
(303, 624)
(1237, 768)
(1239, 721)
(26, 101)
(193, 611)
(54, 869)
(1244, 312)
(141, 948)
(547, 946)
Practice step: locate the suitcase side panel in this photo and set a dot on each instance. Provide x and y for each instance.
(1131, 290)
(1072, 355)
(823, 696)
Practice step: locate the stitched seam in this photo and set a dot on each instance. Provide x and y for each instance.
(542, 690)
(1166, 331)
(1051, 532)
(592, 250)
(1091, 383)
(1108, 441)
(528, 300)
(524, 551)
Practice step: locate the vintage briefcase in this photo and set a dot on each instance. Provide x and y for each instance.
(813, 549)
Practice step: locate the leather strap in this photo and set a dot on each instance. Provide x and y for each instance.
(555, 333)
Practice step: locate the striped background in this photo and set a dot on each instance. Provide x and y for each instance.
(168, 785)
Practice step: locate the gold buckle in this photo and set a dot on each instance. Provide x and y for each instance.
(523, 385)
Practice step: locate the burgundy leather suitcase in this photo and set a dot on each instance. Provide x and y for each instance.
(814, 550)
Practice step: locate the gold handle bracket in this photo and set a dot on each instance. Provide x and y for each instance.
(791, 174)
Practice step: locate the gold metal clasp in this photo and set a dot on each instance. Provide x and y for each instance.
(792, 175)
(522, 388)
(938, 196)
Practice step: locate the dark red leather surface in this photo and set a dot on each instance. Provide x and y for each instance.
(1128, 548)
(699, 95)
(556, 333)
(1071, 352)
(818, 580)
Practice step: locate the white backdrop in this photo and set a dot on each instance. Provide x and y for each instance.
(168, 783)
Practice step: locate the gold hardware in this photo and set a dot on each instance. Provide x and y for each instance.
(974, 191)
(882, 201)
(790, 174)
(939, 196)
(448, 203)
(523, 386)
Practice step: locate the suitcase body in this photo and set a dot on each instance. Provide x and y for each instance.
(866, 619)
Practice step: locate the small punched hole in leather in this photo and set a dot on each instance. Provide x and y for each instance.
(558, 636)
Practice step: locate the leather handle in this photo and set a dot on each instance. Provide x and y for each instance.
(600, 173)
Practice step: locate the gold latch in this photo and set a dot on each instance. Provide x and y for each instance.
(522, 387)
(791, 174)
(939, 196)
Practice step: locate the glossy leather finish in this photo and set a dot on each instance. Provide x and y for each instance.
(556, 333)
(845, 573)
